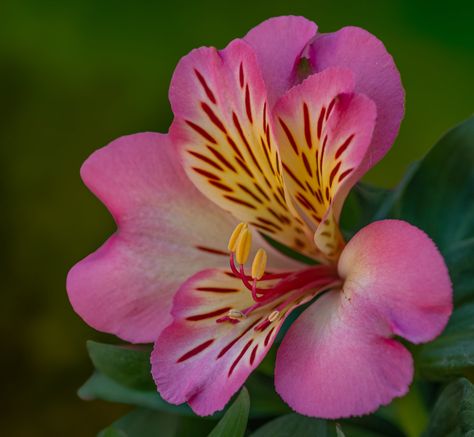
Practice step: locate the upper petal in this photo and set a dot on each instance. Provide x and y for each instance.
(278, 43)
(375, 74)
(167, 231)
(222, 128)
(323, 130)
(348, 363)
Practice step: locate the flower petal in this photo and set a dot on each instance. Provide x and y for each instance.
(202, 362)
(323, 132)
(278, 43)
(402, 272)
(222, 128)
(167, 232)
(339, 358)
(375, 75)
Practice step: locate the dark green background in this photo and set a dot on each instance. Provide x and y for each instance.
(75, 75)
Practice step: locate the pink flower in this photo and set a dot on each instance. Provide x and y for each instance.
(257, 139)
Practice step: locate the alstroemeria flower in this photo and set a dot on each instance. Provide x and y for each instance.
(273, 131)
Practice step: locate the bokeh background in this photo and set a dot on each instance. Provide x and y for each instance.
(74, 76)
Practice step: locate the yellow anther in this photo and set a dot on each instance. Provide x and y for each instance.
(259, 264)
(236, 314)
(273, 316)
(243, 246)
(235, 236)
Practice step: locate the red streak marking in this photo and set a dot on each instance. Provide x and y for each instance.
(221, 186)
(261, 191)
(294, 177)
(307, 126)
(201, 131)
(244, 139)
(266, 155)
(327, 193)
(344, 174)
(221, 158)
(305, 202)
(322, 152)
(265, 228)
(330, 108)
(206, 159)
(211, 250)
(334, 173)
(306, 165)
(289, 136)
(241, 75)
(240, 201)
(234, 146)
(195, 351)
(239, 357)
(253, 354)
(244, 166)
(267, 338)
(344, 146)
(213, 117)
(270, 223)
(203, 82)
(207, 315)
(206, 173)
(218, 289)
(244, 188)
(248, 106)
(235, 340)
(320, 121)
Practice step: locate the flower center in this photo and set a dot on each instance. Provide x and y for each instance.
(285, 289)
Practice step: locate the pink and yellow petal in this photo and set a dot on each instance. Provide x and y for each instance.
(395, 283)
(167, 231)
(222, 129)
(323, 132)
(203, 362)
(375, 75)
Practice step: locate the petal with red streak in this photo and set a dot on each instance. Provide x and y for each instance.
(323, 132)
(202, 362)
(222, 128)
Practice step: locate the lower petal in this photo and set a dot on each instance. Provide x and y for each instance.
(338, 360)
(203, 362)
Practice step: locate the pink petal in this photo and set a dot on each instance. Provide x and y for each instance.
(339, 358)
(278, 43)
(222, 127)
(375, 74)
(167, 232)
(323, 131)
(202, 362)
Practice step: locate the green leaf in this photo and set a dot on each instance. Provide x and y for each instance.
(100, 386)
(452, 353)
(234, 422)
(439, 196)
(143, 422)
(460, 260)
(453, 414)
(291, 425)
(127, 365)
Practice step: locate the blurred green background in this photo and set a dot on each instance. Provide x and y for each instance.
(74, 76)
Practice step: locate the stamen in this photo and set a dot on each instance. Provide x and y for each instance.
(243, 246)
(236, 315)
(273, 316)
(235, 236)
(259, 264)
